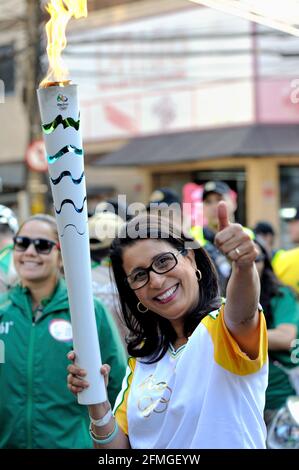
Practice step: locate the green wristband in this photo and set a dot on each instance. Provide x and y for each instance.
(108, 439)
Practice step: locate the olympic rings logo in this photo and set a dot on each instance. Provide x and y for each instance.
(155, 397)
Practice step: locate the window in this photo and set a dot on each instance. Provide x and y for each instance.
(289, 199)
(7, 67)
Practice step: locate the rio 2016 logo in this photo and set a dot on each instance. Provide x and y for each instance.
(62, 99)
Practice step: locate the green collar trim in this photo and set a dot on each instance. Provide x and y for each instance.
(176, 352)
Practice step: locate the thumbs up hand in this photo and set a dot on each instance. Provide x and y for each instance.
(232, 241)
(223, 216)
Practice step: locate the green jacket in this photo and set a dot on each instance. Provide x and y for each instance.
(36, 408)
(285, 309)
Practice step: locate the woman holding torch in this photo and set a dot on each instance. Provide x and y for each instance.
(36, 408)
(198, 371)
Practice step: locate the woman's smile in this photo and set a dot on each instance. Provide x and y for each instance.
(167, 295)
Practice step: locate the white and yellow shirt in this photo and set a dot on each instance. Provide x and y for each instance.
(206, 395)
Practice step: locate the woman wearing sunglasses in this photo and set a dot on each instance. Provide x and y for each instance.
(36, 408)
(197, 373)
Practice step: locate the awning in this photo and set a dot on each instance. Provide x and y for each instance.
(243, 141)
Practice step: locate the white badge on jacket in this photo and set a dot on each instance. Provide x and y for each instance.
(61, 330)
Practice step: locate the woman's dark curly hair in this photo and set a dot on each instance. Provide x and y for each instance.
(151, 334)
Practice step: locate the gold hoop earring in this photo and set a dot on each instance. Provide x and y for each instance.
(140, 309)
(198, 275)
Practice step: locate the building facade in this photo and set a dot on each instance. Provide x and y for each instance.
(221, 93)
(13, 119)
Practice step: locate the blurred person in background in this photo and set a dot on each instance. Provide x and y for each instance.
(103, 228)
(166, 202)
(116, 206)
(286, 262)
(213, 193)
(36, 408)
(265, 231)
(282, 317)
(8, 228)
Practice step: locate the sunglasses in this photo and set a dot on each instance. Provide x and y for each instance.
(41, 245)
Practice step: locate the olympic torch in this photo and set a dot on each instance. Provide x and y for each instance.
(60, 115)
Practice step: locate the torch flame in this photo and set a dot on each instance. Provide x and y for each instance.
(61, 11)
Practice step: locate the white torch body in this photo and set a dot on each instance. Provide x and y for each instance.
(59, 108)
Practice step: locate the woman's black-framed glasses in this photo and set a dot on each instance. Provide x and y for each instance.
(161, 264)
(41, 245)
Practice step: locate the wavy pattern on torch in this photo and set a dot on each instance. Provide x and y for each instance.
(72, 225)
(67, 173)
(69, 201)
(67, 122)
(67, 149)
